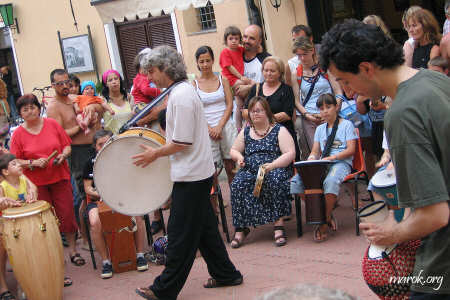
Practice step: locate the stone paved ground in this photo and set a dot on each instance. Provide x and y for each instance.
(335, 263)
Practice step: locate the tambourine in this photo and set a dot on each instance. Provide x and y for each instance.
(259, 181)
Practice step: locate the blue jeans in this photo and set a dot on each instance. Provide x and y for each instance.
(12, 107)
(336, 174)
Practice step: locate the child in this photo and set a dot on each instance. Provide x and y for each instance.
(438, 64)
(74, 84)
(232, 63)
(338, 147)
(15, 185)
(92, 196)
(88, 97)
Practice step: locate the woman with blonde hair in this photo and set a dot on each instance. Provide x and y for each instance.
(408, 46)
(424, 29)
(376, 20)
(279, 95)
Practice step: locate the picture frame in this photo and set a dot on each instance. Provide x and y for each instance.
(77, 52)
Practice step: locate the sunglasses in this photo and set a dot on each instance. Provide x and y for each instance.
(61, 83)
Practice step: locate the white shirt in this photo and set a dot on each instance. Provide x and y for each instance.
(186, 124)
(253, 68)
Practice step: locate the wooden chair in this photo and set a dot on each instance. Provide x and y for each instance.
(358, 174)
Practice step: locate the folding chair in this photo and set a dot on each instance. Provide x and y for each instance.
(216, 191)
(358, 174)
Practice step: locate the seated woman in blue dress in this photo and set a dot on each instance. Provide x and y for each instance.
(270, 144)
(334, 140)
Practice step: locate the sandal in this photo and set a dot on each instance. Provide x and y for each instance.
(77, 260)
(212, 283)
(146, 293)
(7, 296)
(280, 240)
(319, 236)
(67, 281)
(332, 223)
(237, 242)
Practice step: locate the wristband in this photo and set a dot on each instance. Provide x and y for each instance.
(30, 165)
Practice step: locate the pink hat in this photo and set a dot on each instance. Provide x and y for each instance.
(106, 74)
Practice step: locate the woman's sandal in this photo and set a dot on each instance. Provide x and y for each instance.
(77, 260)
(280, 240)
(320, 236)
(236, 243)
(7, 296)
(67, 281)
(212, 283)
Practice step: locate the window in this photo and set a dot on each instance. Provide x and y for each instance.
(206, 17)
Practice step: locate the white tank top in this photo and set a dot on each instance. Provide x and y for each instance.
(214, 104)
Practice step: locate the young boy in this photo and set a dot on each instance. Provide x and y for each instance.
(16, 188)
(232, 63)
(88, 96)
(438, 64)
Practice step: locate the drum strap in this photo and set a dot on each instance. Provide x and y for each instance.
(330, 139)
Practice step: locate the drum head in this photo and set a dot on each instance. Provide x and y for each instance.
(25, 210)
(384, 178)
(126, 188)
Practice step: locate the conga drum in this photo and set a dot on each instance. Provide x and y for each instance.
(126, 188)
(385, 184)
(313, 173)
(382, 266)
(32, 239)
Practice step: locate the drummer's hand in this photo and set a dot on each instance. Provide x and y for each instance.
(7, 202)
(59, 159)
(145, 158)
(332, 157)
(390, 166)
(31, 197)
(241, 162)
(40, 163)
(381, 234)
(268, 167)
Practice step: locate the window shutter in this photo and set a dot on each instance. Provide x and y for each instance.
(160, 32)
(132, 39)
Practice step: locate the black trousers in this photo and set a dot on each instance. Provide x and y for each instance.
(192, 225)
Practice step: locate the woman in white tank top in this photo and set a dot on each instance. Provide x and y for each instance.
(215, 93)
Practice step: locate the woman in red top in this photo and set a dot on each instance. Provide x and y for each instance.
(32, 143)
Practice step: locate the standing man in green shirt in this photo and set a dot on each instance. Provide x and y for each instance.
(362, 58)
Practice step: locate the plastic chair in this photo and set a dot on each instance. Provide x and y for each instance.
(358, 174)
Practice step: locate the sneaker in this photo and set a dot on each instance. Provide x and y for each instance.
(107, 271)
(141, 264)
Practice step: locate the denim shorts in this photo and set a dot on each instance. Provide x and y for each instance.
(336, 174)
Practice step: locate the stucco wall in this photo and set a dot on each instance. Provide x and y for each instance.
(229, 12)
(37, 47)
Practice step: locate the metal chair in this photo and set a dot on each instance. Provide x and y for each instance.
(217, 192)
(358, 174)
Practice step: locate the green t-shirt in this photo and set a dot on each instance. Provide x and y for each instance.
(418, 131)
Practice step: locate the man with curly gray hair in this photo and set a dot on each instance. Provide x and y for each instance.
(192, 223)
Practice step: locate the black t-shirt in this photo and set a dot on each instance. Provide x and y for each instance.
(421, 56)
(282, 100)
(88, 170)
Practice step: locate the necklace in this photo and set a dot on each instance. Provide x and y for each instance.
(262, 135)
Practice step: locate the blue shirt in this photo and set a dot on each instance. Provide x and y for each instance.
(344, 133)
(322, 87)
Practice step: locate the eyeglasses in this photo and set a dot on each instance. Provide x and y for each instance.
(258, 111)
(61, 83)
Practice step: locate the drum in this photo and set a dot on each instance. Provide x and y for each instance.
(126, 188)
(382, 265)
(375, 212)
(259, 181)
(385, 184)
(313, 173)
(33, 242)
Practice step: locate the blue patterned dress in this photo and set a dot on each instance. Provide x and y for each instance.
(274, 201)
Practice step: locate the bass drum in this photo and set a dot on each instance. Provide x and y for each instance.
(126, 188)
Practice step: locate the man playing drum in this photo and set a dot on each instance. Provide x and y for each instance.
(192, 223)
(417, 125)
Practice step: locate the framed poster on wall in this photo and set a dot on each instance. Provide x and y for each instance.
(78, 54)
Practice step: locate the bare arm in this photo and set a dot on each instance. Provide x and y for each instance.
(32, 192)
(420, 223)
(150, 154)
(89, 189)
(408, 51)
(288, 76)
(435, 51)
(445, 47)
(337, 90)
(360, 105)
(228, 101)
(281, 117)
(315, 151)
(237, 149)
(287, 148)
